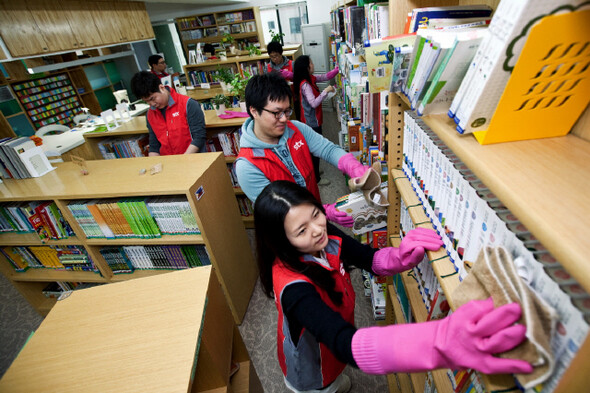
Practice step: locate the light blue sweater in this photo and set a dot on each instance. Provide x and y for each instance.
(252, 180)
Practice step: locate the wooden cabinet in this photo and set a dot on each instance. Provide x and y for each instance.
(199, 178)
(177, 336)
(34, 27)
(20, 34)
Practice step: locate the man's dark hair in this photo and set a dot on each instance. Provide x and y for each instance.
(144, 84)
(274, 46)
(264, 88)
(154, 59)
(209, 48)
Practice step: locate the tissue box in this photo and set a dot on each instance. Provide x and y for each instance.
(366, 217)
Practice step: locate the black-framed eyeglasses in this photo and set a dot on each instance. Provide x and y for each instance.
(278, 115)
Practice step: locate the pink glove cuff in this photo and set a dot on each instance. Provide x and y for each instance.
(365, 346)
(381, 261)
(232, 114)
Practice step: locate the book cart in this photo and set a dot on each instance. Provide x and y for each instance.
(187, 346)
(200, 178)
(539, 181)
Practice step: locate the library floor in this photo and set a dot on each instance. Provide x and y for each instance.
(18, 319)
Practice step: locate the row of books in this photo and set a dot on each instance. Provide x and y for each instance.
(39, 82)
(440, 17)
(21, 159)
(43, 218)
(57, 288)
(198, 77)
(468, 216)
(135, 146)
(227, 141)
(52, 257)
(134, 217)
(377, 20)
(245, 205)
(251, 68)
(239, 16)
(233, 176)
(126, 259)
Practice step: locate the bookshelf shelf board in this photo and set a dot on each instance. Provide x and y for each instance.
(31, 239)
(56, 275)
(238, 191)
(164, 240)
(140, 274)
(541, 181)
(230, 159)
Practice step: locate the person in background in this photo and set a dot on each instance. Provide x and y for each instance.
(308, 99)
(158, 66)
(209, 52)
(278, 62)
(304, 265)
(274, 148)
(175, 122)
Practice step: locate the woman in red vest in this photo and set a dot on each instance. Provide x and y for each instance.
(304, 264)
(308, 99)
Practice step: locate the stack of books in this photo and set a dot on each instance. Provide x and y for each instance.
(134, 217)
(21, 159)
(43, 218)
(130, 258)
(137, 146)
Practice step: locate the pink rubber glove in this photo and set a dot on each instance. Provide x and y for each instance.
(389, 261)
(468, 338)
(338, 217)
(350, 166)
(286, 74)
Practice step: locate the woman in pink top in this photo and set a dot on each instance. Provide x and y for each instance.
(308, 99)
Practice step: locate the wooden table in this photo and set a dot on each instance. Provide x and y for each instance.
(167, 333)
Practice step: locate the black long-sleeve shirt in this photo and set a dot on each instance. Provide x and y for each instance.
(304, 308)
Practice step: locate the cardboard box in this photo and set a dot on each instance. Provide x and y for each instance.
(366, 217)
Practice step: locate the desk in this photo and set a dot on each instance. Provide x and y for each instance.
(167, 333)
(137, 125)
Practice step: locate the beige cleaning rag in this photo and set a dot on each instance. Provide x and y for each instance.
(494, 274)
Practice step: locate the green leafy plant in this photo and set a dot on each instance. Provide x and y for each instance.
(224, 74)
(278, 37)
(253, 50)
(228, 39)
(220, 99)
(237, 86)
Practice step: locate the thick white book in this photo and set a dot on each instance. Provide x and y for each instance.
(509, 30)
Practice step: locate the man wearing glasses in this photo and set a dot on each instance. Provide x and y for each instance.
(278, 62)
(158, 66)
(175, 122)
(274, 148)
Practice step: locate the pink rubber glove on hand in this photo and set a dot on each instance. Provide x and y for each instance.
(350, 166)
(468, 338)
(340, 218)
(389, 261)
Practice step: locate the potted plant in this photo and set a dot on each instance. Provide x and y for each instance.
(278, 37)
(224, 76)
(220, 102)
(253, 50)
(230, 41)
(237, 88)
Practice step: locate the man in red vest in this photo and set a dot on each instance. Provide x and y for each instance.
(274, 148)
(175, 122)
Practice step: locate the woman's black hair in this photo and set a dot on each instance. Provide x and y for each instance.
(300, 73)
(264, 88)
(270, 209)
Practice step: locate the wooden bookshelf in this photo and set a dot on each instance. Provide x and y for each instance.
(238, 63)
(181, 319)
(214, 206)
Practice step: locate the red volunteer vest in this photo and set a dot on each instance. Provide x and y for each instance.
(326, 362)
(288, 67)
(274, 169)
(319, 114)
(172, 132)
